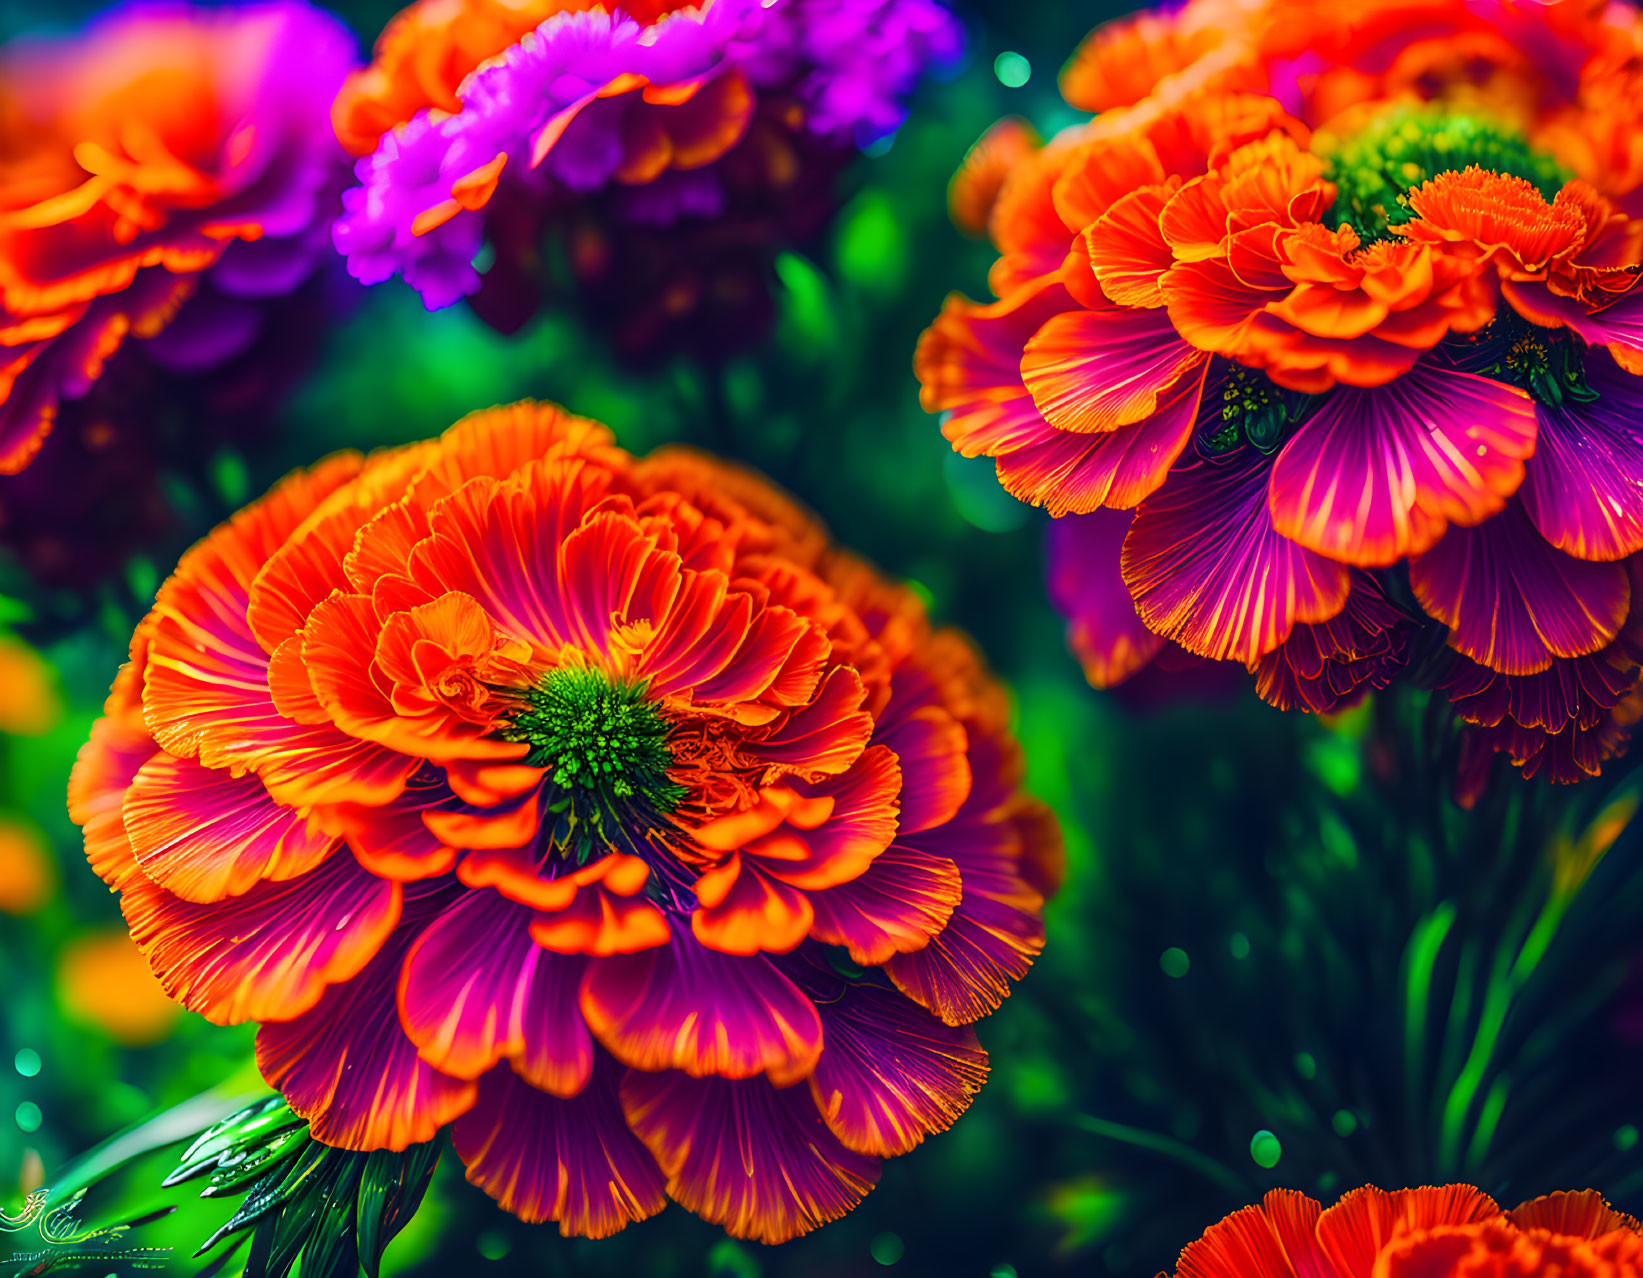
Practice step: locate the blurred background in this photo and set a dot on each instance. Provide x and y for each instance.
(1281, 957)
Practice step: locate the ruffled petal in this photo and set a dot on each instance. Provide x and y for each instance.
(744, 1154)
(1515, 603)
(1376, 475)
(545, 1158)
(686, 1007)
(891, 1073)
(1353, 1231)
(270, 953)
(476, 989)
(1094, 371)
(1207, 569)
(204, 834)
(1584, 487)
(348, 1067)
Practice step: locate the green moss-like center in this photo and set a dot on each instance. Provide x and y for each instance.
(1548, 363)
(1254, 410)
(1375, 168)
(603, 740)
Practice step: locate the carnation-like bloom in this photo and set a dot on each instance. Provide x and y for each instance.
(1448, 1231)
(594, 805)
(1324, 333)
(166, 170)
(478, 117)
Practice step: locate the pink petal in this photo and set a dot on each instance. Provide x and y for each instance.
(204, 834)
(902, 899)
(269, 954)
(1067, 472)
(1207, 569)
(684, 1006)
(1514, 602)
(1329, 666)
(348, 1068)
(1103, 628)
(1584, 488)
(746, 1155)
(1094, 371)
(891, 1073)
(1378, 474)
(574, 1161)
(476, 990)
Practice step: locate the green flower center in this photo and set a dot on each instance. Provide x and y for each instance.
(1254, 410)
(1548, 363)
(604, 742)
(1376, 167)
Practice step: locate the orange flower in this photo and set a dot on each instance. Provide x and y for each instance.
(520, 786)
(1453, 1231)
(1325, 292)
(139, 157)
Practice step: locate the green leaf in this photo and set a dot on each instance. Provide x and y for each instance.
(390, 1190)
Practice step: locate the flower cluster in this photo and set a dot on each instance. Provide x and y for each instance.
(594, 805)
(1324, 334)
(483, 122)
(168, 171)
(1435, 1232)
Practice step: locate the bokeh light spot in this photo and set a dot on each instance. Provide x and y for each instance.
(1265, 1149)
(28, 1116)
(1238, 945)
(973, 484)
(1305, 1066)
(493, 1244)
(1625, 1138)
(887, 1249)
(27, 1061)
(1012, 69)
(1175, 962)
(1345, 1123)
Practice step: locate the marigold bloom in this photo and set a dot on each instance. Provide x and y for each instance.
(1436, 1232)
(167, 155)
(593, 805)
(482, 121)
(1334, 310)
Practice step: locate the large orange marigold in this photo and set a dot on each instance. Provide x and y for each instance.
(596, 806)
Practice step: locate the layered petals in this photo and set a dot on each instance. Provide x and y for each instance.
(514, 786)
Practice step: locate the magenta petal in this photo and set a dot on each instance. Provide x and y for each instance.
(1207, 569)
(1512, 601)
(347, 1066)
(1618, 327)
(746, 1155)
(544, 1158)
(1094, 371)
(996, 930)
(203, 834)
(270, 953)
(1584, 488)
(931, 750)
(685, 1006)
(891, 1073)
(1071, 473)
(1377, 474)
(476, 989)
(1331, 665)
(903, 898)
(1103, 629)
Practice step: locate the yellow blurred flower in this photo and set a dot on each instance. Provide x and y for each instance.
(29, 704)
(103, 980)
(27, 877)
